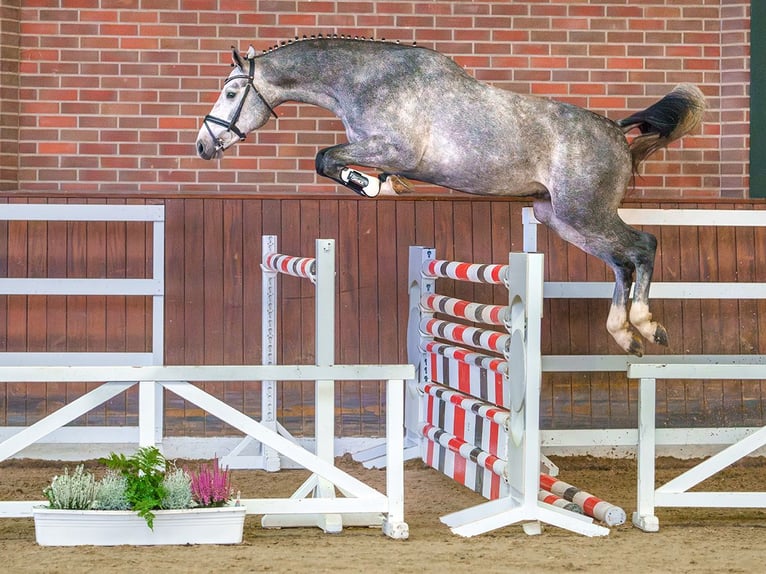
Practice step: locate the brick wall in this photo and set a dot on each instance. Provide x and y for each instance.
(9, 94)
(112, 91)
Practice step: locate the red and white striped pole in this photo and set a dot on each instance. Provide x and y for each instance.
(606, 512)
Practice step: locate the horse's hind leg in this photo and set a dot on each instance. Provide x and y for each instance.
(625, 250)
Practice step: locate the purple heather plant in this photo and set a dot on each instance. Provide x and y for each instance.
(211, 485)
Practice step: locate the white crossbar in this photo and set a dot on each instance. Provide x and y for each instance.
(62, 286)
(198, 373)
(73, 212)
(681, 217)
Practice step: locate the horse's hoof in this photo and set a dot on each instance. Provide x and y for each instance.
(636, 347)
(661, 336)
(399, 185)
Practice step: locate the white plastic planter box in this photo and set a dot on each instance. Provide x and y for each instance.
(222, 525)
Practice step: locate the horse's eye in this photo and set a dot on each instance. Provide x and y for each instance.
(231, 95)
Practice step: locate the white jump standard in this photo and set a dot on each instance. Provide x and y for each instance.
(476, 415)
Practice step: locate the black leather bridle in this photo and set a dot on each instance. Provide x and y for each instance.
(231, 124)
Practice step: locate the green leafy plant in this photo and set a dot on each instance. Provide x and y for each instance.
(144, 472)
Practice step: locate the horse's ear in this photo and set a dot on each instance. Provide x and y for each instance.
(236, 59)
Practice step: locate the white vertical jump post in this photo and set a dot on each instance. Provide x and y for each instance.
(512, 383)
(320, 271)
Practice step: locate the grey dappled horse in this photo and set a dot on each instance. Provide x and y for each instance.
(413, 113)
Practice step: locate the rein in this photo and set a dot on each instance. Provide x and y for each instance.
(231, 125)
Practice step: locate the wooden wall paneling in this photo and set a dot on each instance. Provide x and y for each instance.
(444, 227)
(193, 423)
(56, 309)
(744, 238)
(748, 324)
(233, 300)
(213, 304)
(481, 246)
(175, 307)
(669, 313)
(4, 256)
(501, 243)
(462, 238)
(76, 305)
(138, 261)
(759, 249)
(422, 224)
(35, 315)
(711, 320)
(116, 309)
(406, 234)
(95, 305)
(17, 267)
(116, 268)
(606, 408)
(362, 406)
(291, 317)
(689, 340)
(353, 297)
(731, 391)
(562, 407)
(16, 321)
(308, 232)
(580, 324)
(444, 241)
(397, 231)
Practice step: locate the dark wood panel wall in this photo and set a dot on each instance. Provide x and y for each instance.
(213, 305)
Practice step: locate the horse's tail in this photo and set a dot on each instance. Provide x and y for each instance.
(665, 121)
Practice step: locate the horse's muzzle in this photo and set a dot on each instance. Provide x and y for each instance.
(207, 151)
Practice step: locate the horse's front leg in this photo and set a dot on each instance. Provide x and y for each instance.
(333, 162)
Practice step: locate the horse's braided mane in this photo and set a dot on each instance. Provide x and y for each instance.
(329, 37)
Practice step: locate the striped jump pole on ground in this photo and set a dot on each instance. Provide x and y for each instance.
(550, 498)
(606, 512)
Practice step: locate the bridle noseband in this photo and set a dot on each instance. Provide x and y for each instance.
(231, 125)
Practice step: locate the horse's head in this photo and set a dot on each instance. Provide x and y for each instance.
(240, 109)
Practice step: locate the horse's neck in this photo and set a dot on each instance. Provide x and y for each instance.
(298, 73)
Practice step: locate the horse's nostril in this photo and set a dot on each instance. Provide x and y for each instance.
(200, 148)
